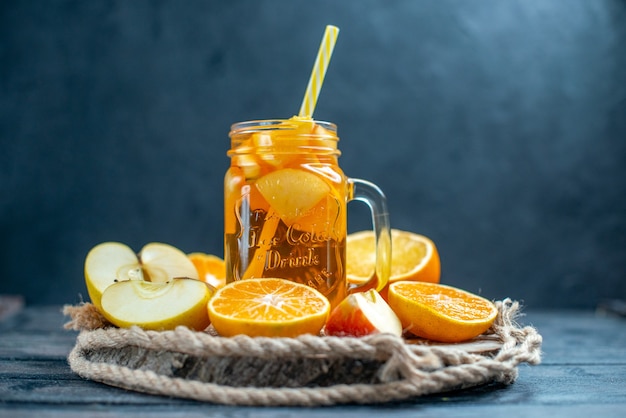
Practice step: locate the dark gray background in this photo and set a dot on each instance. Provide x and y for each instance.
(497, 128)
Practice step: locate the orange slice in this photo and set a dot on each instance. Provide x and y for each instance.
(279, 147)
(211, 268)
(413, 257)
(439, 312)
(268, 308)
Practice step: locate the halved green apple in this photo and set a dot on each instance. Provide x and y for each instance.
(112, 262)
(158, 306)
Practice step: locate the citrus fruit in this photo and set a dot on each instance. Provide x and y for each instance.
(413, 257)
(292, 192)
(211, 268)
(439, 312)
(268, 307)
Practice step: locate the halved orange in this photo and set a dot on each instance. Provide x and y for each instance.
(439, 312)
(268, 307)
(211, 268)
(413, 257)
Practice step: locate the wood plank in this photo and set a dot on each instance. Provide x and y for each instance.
(46, 369)
(583, 374)
(576, 385)
(35, 318)
(579, 385)
(580, 337)
(73, 392)
(20, 345)
(441, 410)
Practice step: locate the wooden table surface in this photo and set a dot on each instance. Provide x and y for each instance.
(583, 373)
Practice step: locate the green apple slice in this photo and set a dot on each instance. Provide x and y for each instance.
(162, 262)
(104, 266)
(292, 192)
(158, 306)
(112, 262)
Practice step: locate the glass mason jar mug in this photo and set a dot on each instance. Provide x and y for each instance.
(285, 201)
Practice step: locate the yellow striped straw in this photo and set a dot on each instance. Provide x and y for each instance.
(319, 71)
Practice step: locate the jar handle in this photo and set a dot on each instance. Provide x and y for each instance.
(375, 199)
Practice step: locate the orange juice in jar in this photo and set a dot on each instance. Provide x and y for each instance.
(285, 207)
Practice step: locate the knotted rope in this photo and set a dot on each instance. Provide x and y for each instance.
(307, 370)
